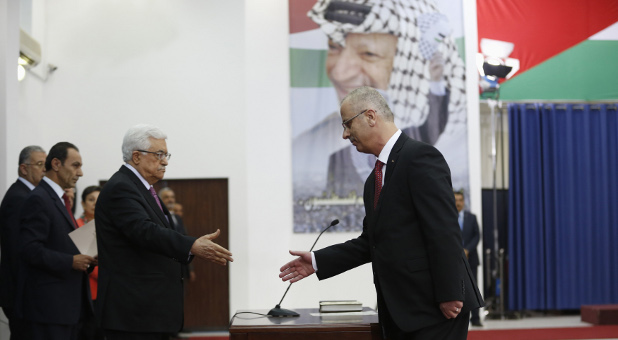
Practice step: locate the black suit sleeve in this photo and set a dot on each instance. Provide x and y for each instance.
(342, 257)
(128, 206)
(34, 236)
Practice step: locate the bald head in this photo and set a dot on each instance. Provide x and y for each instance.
(363, 97)
(367, 120)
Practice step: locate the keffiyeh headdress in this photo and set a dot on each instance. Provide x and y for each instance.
(411, 21)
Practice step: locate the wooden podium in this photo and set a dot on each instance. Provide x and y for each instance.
(309, 325)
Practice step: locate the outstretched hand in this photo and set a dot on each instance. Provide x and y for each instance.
(206, 249)
(297, 269)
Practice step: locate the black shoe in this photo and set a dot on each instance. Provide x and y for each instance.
(477, 323)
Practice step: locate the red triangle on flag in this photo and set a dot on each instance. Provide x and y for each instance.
(541, 29)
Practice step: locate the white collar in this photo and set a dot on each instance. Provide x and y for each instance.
(27, 183)
(55, 186)
(386, 150)
(141, 178)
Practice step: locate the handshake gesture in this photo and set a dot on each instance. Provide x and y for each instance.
(297, 269)
(206, 249)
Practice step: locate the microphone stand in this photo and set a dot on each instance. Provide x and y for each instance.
(281, 312)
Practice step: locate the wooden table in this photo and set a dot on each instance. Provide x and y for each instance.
(309, 325)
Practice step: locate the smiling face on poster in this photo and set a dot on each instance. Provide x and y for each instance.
(406, 49)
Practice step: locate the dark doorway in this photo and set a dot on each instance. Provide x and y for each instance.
(205, 203)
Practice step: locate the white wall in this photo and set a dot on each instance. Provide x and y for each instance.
(215, 76)
(9, 50)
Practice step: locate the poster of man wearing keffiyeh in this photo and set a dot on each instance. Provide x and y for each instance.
(409, 50)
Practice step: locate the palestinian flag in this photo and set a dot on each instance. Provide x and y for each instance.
(568, 50)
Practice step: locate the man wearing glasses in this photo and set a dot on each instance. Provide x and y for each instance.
(140, 252)
(410, 231)
(31, 170)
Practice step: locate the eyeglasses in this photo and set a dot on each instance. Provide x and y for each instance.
(345, 123)
(160, 155)
(37, 164)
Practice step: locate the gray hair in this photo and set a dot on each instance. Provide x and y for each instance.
(24, 155)
(362, 96)
(138, 138)
(164, 190)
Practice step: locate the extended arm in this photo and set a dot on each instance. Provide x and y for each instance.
(297, 269)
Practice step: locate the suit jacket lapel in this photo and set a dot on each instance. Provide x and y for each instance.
(390, 168)
(146, 194)
(370, 194)
(58, 203)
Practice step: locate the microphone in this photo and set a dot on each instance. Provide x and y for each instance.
(281, 312)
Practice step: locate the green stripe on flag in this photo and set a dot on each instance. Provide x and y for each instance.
(308, 68)
(461, 47)
(587, 71)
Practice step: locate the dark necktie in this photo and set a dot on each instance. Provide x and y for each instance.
(378, 184)
(154, 194)
(67, 205)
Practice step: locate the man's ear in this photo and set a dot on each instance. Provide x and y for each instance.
(372, 116)
(55, 164)
(22, 170)
(136, 156)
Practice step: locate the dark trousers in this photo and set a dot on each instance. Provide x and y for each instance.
(119, 335)
(449, 329)
(46, 331)
(17, 326)
(90, 330)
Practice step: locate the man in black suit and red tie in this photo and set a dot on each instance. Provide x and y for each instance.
(53, 293)
(31, 170)
(410, 233)
(140, 293)
(471, 237)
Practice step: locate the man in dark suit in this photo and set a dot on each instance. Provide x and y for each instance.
(410, 234)
(140, 293)
(31, 170)
(53, 291)
(471, 236)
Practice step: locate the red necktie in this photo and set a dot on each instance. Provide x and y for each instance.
(378, 183)
(67, 205)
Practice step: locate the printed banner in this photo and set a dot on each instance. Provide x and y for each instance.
(412, 52)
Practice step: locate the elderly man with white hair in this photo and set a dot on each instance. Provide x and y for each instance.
(140, 252)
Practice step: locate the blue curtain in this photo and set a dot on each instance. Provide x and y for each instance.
(563, 206)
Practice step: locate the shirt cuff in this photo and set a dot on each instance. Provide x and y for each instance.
(313, 263)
